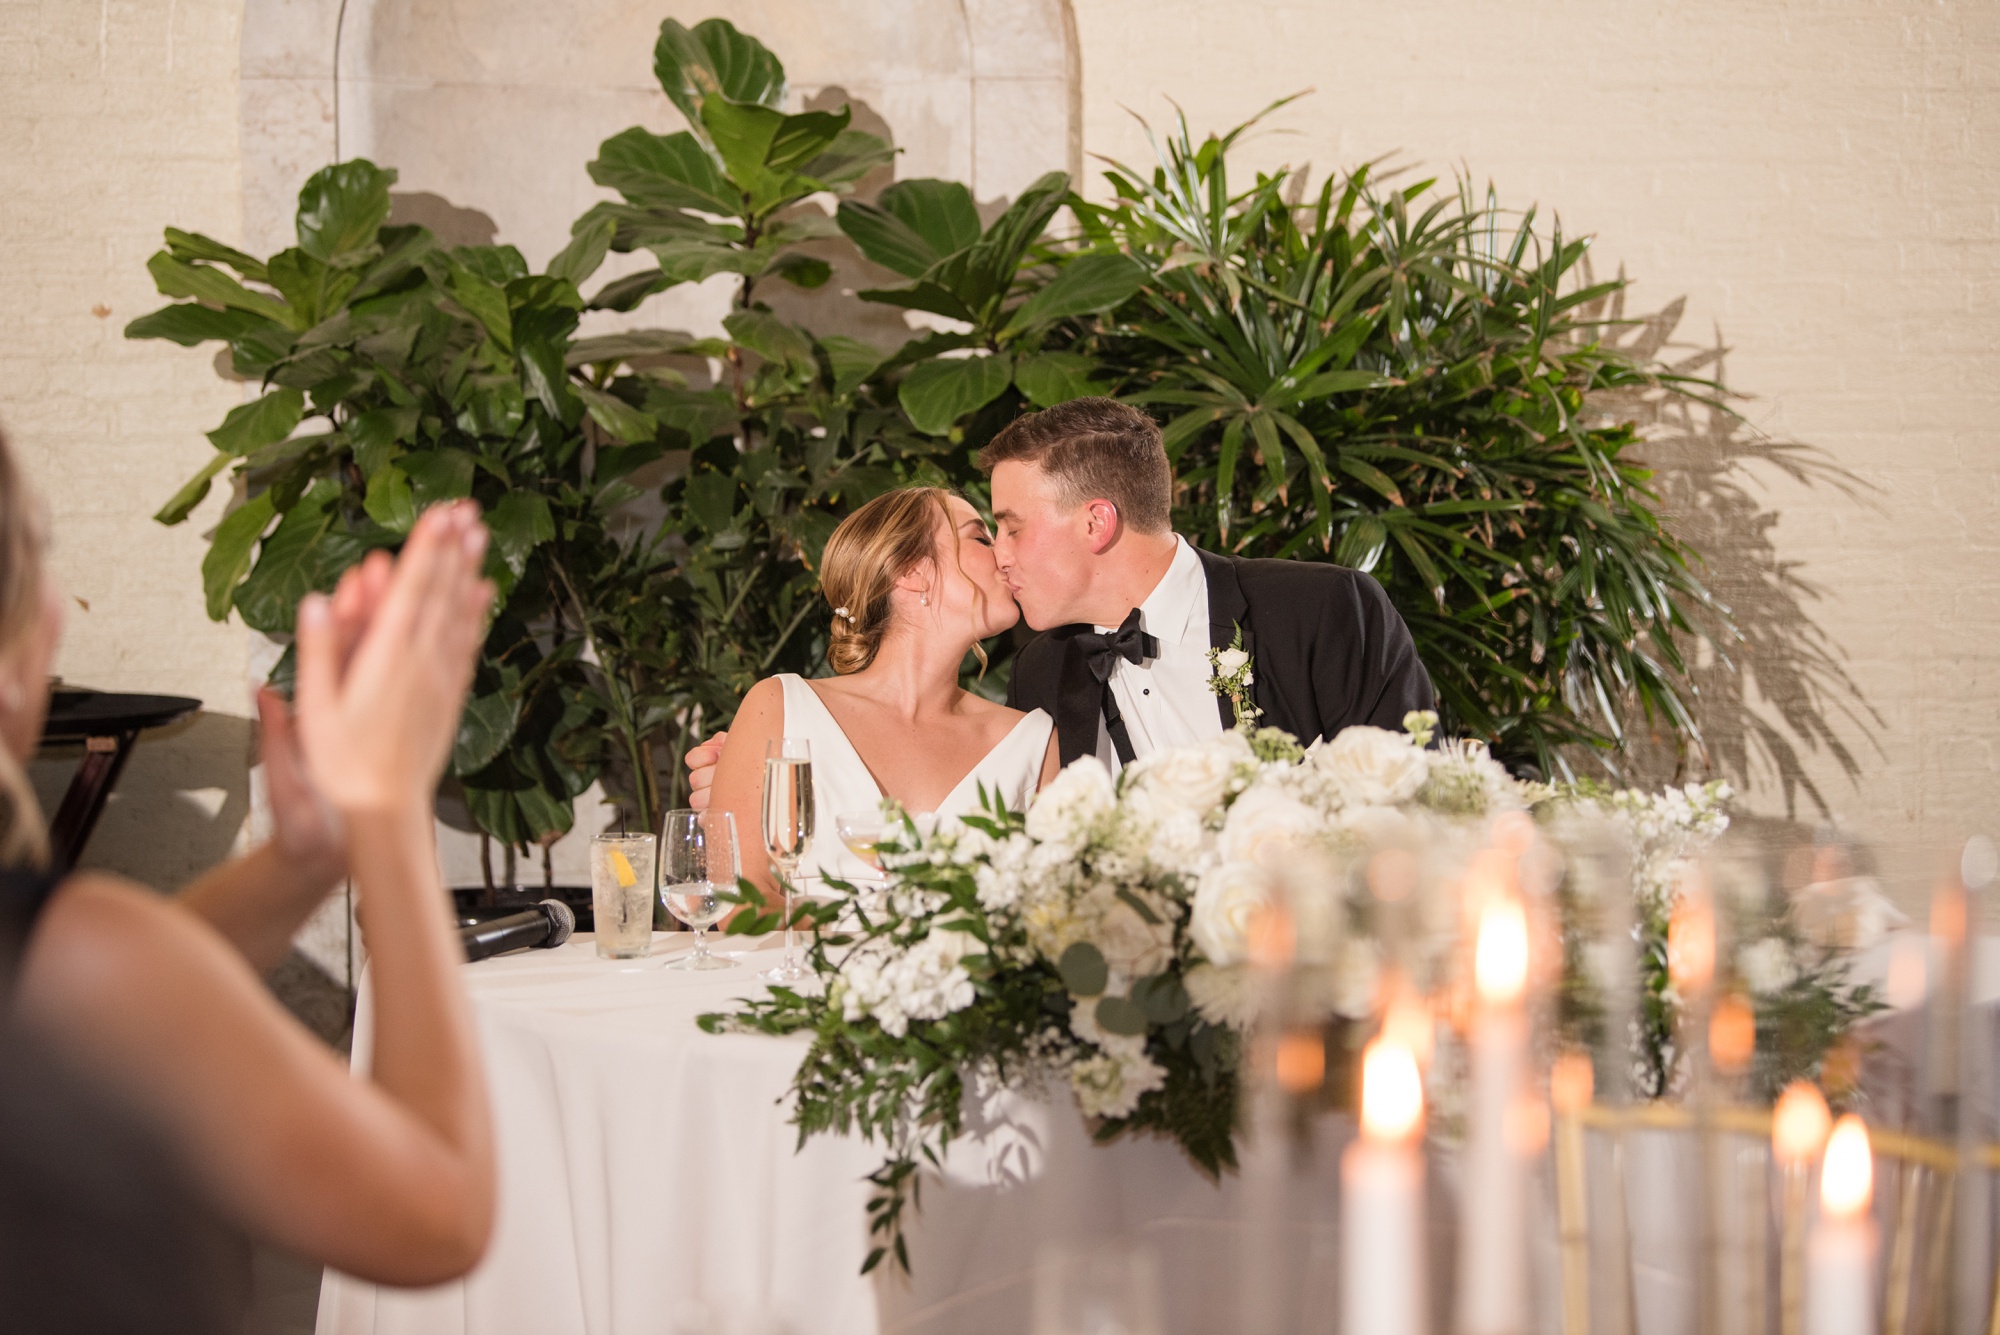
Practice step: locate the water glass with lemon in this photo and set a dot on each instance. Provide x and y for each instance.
(622, 892)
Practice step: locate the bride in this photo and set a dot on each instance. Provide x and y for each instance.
(914, 586)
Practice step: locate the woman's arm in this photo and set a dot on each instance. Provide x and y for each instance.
(1051, 761)
(739, 778)
(390, 1179)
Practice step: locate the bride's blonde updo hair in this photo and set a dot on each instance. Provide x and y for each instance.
(873, 548)
(22, 534)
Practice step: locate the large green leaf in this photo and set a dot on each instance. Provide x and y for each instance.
(484, 730)
(1083, 286)
(520, 523)
(288, 565)
(585, 252)
(438, 475)
(743, 134)
(770, 337)
(715, 59)
(981, 273)
(341, 207)
(192, 493)
(195, 246)
(193, 323)
(390, 501)
(176, 278)
(851, 156)
(230, 551)
(628, 345)
(937, 393)
(912, 225)
(663, 171)
(801, 138)
(616, 416)
(252, 425)
(1049, 378)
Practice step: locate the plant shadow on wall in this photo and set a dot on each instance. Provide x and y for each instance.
(1391, 376)
(1772, 687)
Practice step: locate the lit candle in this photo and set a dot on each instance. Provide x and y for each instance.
(1493, 1269)
(1382, 1199)
(1840, 1261)
(1799, 1126)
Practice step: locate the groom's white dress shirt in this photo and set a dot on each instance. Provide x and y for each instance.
(1166, 702)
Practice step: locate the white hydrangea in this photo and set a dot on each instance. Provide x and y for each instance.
(1372, 766)
(895, 985)
(1111, 1085)
(1065, 812)
(1225, 996)
(1228, 896)
(1191, 779)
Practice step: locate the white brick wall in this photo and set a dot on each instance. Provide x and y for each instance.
(1818, 179)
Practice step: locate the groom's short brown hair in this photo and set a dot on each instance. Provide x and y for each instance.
(1095, 448)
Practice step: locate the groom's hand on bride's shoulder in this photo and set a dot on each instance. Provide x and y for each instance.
(701, 769)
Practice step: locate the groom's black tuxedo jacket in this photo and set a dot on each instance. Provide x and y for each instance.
(1327, 647)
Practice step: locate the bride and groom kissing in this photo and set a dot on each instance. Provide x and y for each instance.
(1083, 548)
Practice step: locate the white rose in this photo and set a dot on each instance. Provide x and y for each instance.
(1223, 996)
(1267, 826)
(1193, 778)
(1227, 898)
(1376, 826)
(1373, 766)
(1064, 811)
(1132, 947)
(1231, 661)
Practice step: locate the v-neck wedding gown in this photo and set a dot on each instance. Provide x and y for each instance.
(842, 784)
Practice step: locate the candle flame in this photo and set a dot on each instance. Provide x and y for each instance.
(1847, 1179)
(1301, 1061)
(1691, 936)
(1572, 1082)
(1392, 1096)
(1732, 1035)
(1799, 1124)
(1500, 959)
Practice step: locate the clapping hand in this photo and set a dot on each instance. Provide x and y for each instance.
(384, 665)
(701, 762)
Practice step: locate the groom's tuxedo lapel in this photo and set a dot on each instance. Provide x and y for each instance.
(1079, 698)
(1228, 611)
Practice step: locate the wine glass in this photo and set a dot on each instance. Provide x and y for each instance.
(864, 832)
(787, 811)
(698, 862)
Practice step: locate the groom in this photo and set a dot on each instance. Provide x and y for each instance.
(1129, 609)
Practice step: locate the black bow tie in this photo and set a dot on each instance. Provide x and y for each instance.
(1128, 642)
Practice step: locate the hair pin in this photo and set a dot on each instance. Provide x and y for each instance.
(843, 612)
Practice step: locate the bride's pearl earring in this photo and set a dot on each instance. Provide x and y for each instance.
(927, 600)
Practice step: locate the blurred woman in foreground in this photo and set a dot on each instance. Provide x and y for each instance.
(387, 1177)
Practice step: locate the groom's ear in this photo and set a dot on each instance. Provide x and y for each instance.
(1101, 524)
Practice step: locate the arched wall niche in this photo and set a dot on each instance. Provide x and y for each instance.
(489, 109)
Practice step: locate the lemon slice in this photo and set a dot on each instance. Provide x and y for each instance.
(622, 869)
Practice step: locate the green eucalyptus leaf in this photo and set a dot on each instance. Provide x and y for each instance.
(230, 551)
(1122, 1016)
(341, 207)
(1083, 969)
(713, 58)
(937, 393)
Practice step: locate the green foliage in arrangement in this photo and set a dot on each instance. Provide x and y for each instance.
(1390, 378)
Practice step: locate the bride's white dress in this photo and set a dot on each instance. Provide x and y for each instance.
(842, 784)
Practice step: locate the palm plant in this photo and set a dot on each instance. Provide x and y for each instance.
(1399, 380)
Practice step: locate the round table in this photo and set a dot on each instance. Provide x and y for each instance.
(651, 1182)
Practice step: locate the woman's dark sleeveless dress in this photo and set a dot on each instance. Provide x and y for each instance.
(100, 1233)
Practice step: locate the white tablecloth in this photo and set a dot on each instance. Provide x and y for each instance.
(650, 1182)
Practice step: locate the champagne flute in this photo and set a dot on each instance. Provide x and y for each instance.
(864, 832)
(698, 862)
(787, 812)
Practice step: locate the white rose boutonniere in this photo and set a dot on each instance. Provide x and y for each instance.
(1229, 675)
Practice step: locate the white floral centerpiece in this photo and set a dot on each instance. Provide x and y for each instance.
(1102, 939)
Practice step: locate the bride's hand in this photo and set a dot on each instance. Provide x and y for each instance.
(701, 770)
(384, 665)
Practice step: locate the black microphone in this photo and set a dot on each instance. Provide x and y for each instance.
(544, 927)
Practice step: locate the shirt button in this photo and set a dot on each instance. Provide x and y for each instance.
(1146, 691)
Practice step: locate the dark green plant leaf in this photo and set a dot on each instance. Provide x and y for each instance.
(520, 523)
(484, 730)
(1049, 378)
(192, 492)
(585, 252)
(195, 246)
(437, 475)
(176, 278)
(715, 59)
(799, 270)
(192, 324)
(390, 502)
(671, 171)
(498, 265)
(341, 207)
(230, 551)
(378, 433)
(850, 360)
(937, 393)
(1083, 286)
(289, 564)
(770, 337)
(616, 416)
(1121, 1015)
(257, 423)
